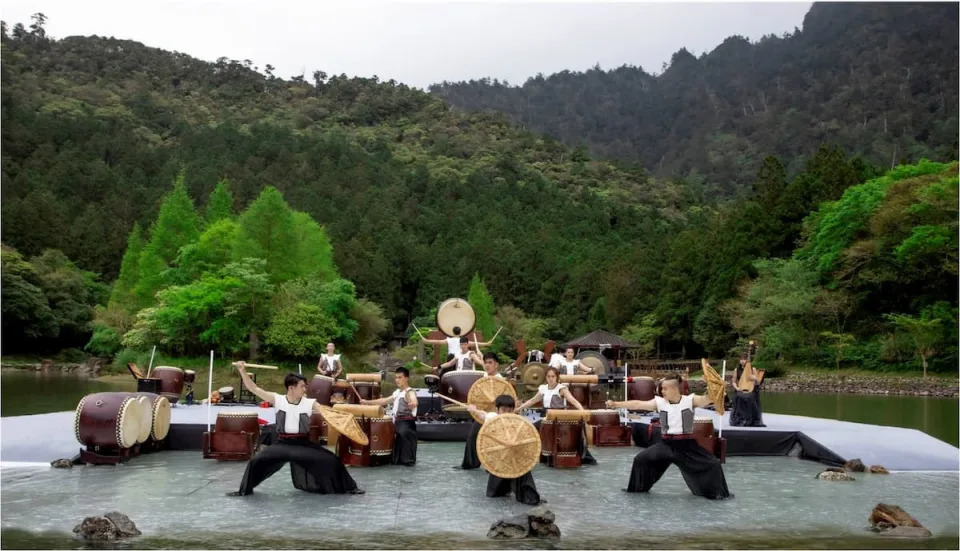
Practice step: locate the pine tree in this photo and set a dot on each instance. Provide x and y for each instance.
(482, 303)
(123, 295)
(177, 225)
(268, 231)
(220, 203)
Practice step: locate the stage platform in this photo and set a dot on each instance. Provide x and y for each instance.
(45, 437)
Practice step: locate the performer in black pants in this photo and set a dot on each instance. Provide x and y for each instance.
(313, 468)
(523, 488)
(404, 400)
(701, 470)
(470, 460)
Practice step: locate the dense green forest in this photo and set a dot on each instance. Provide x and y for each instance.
(228, 208)
(878, 80)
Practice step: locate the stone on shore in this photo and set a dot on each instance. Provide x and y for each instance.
(893, 521)
(109, 527)
(535, 523)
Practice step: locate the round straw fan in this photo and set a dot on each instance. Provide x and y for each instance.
(483, 393)
(716, 389)
(345, 424)
(508, 446)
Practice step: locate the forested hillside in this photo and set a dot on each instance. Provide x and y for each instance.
(879, 80)
(231, 208)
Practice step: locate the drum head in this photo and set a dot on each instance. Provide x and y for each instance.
(533, 374)
(146, 419)
(161, 418)
(508, 446)
(594, 360)
(129, 419)
(485, 391)
(455, 317)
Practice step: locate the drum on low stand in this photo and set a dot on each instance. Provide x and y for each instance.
(226, 394)
(321, 389)
(367, 386)
(641, 388)
(456, 385)
(171, 382)
(567, 429)
(319, 429)
(234, 437)
(606, 429)
(455, 317)
(108, 424)
(703, 432)
(379, 450)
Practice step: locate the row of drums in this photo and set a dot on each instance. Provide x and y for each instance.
(329, 391)
(113, 421)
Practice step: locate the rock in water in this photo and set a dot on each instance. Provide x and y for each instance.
(834, 475)
(891, 520)
(855, 465)
(109, 527)
(125, 527)
(878, 469)
(907, 532)
(535, 523)
(62, 464)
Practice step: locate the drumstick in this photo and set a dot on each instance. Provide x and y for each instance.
(426, 365)
(258, 366)
(417, 329)
(150, 367)
(497, 333)
(452, 400)
(354, 389)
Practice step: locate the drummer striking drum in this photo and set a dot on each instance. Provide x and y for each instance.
(460, 359)
(313, 468)
(701, 470)
(554, 395)
(330, 364)
(404, 400)
(524, 488)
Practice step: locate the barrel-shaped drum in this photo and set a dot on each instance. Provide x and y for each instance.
(156, 415)
(237, 421)
(365, 389)
(548, 430)
(341, 393)
(321, 389)
(580, 392)
(171, 382)
(379, 450)
(456, 384)
(641, 388)
(227, 394)
(567, 435)
(605, 418)
(108, 420)
(703, 432)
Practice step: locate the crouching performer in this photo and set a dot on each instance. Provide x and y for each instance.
(313, 468)
(701, 470)
(523, 487)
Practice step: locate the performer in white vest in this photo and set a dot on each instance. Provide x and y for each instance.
(701, 470)
(329, 363)
(313, 468)
(569, 365)
(464, 360)
(470, 460)
(555, 395)
(404, 401)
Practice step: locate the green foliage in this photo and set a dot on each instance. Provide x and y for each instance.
(372, 326)
(26, 311)
(123, 296)
(301, 330)
(482, 303)
(646, 334)
(220, 203)
(518, 325)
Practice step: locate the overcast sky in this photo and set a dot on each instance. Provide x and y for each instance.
(417, 43)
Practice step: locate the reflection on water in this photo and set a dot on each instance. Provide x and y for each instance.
(28, 392)
(339, 539)
(938, 417)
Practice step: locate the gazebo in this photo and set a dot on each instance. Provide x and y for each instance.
(608, 346)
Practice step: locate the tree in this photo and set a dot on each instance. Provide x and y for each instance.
(36, 28)
(177, 225)
(840, 342)
(482, 303)
(268, 231)
(925, 331)
(26, 311)
(220, 203)
(123, 295)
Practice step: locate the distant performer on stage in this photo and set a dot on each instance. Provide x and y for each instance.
(329, 363)
(554, 395)
(470, 460)
(745, 408)
(524, 488)
(404, 400)
(572, 366)
(464, 360)
(453, 344)
(701, 470)
(313, 468)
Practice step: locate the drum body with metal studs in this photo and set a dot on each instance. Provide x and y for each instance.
(171, 382)
(156, 415)
(567, 435)
(455, 317)
(108, 421)
(379, 451)
(456, 385)
(605, 429)
(237, 421)
(703, 432)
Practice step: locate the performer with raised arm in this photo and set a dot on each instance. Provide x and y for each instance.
(572, 366)
(555, 395)
(453, 343)
(313, 467)
(465, 359)
(701, 470)
(524, 488)
(404, 400)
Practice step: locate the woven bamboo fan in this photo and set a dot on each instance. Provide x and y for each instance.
(345, 424)
(716, 388)
(508, 446)
(483, 393)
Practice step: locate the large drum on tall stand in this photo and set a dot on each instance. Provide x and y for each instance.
(321, 389)
(455, 317)
(108, 424)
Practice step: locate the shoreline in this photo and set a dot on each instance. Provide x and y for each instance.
(814, 382)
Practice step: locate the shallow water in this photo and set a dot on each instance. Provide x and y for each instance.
(177, 500)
